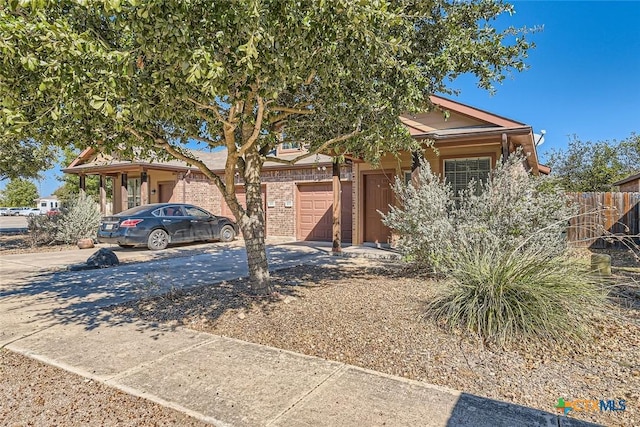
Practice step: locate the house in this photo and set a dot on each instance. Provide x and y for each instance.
(298, 199)
(45, 204)
(629, 184)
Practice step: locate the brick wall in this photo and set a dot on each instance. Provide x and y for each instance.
(281, 192)
(195, 188)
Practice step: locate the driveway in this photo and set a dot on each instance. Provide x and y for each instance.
(33, 296)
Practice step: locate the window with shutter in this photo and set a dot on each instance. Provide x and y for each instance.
(460, 172)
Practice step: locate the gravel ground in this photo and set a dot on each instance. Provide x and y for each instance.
(371, 317)
(35, 394)
(322, 312)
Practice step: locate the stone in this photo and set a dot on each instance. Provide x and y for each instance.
(601, 264)
(103, 258)
(85, 243)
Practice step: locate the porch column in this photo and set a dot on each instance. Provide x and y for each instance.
(144, 188)
(505, 148)
(337, 207)
(103, 196)
(82, 183)
(124, 194)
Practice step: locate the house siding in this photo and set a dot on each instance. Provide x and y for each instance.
(633, 186)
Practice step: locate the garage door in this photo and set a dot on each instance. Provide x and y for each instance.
(315, 212)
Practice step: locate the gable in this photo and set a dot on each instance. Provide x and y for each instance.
(450, 114)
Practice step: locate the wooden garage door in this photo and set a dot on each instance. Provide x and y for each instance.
(377, 197)
(315, 212)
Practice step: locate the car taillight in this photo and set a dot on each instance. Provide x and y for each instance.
(130, 222)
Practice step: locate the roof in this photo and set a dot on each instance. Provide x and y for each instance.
(627, 179)
(214, 160)
(463, 121)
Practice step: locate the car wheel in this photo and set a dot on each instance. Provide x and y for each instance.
(158, 240)
(227, 233)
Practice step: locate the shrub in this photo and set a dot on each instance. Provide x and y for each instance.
(501, 249)
(79, 220)
(511, 209)
(503, 296)
(43, 229)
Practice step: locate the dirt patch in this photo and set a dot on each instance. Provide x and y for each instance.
(372, 316)
(33, 393)
(21, 244)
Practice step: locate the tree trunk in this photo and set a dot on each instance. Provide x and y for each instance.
(253, 226)
(337, 208)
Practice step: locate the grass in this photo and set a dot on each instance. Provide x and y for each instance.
(504, 296)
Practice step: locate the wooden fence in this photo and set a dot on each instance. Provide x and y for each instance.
(605, 220)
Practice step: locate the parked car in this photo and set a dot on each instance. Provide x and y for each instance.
(15, 211)
(157, 225)
(53, 212)
(4, 211)
(29, 211)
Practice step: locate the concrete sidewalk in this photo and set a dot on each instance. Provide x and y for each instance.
(55, 317)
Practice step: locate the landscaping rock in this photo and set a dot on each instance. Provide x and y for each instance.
(103, 258)
(85, 243)
(601, 264)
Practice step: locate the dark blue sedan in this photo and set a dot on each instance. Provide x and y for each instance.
(157, 225)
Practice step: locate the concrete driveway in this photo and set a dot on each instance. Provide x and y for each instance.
(36, 290)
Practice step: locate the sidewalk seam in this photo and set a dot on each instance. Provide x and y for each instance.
(126, 373)
(333, 374)
(5, 345)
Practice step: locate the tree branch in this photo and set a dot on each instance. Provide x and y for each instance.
(323, 147)
(257, 127)
(211, 108)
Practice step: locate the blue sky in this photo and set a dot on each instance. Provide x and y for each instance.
(584, 75)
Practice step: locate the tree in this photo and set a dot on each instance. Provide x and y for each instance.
(24, 159)
(594, 166)
(630, 153)
(19, 192)
(147, 78)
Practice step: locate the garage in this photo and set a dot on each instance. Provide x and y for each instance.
(315, 212)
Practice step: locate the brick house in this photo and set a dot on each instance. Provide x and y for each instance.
(298, 199)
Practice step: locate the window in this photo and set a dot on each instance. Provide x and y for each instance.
(459, 172)
(133, 192)
(289, 146)
(193, 211)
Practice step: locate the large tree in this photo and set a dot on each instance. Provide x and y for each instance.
(594, 166)
(24, 159)
(19, 192)
(147, 78)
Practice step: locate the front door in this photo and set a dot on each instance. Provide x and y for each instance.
(165, 192)
(378, 195)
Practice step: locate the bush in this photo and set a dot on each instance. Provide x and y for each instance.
(79, 220)
(500, 245)
(511, 209)
(504, 296)
(43, 229)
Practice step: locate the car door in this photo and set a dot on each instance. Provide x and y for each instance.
(176, 223)
(202, 223)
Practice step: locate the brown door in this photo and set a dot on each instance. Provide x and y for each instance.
(377, 197)
(315, 212)
(165, 192)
